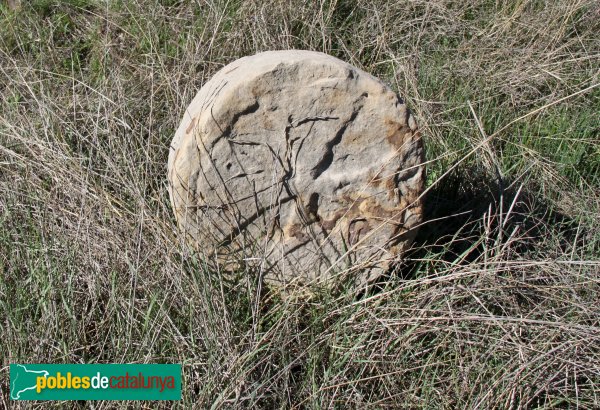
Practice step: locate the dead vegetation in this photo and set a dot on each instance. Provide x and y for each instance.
(495, 307)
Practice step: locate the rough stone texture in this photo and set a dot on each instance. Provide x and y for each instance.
(300, 164)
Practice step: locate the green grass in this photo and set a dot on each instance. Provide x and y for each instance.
(496, 306)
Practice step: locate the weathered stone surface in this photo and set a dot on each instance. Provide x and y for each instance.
(300, 164)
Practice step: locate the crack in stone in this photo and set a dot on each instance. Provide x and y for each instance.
(327, 158)
(252, 108)
(248, 221)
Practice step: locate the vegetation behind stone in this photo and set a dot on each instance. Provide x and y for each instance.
(495, 306)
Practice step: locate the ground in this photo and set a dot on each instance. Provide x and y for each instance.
(496, 305)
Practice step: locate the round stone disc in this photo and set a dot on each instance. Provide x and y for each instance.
(299, 164)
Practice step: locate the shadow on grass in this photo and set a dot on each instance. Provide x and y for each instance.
(464, 208)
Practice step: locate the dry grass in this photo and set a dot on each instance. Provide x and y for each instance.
(496, 306)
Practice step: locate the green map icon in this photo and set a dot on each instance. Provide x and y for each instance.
(23, 380)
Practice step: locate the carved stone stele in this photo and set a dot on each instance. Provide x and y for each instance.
(299, 164)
